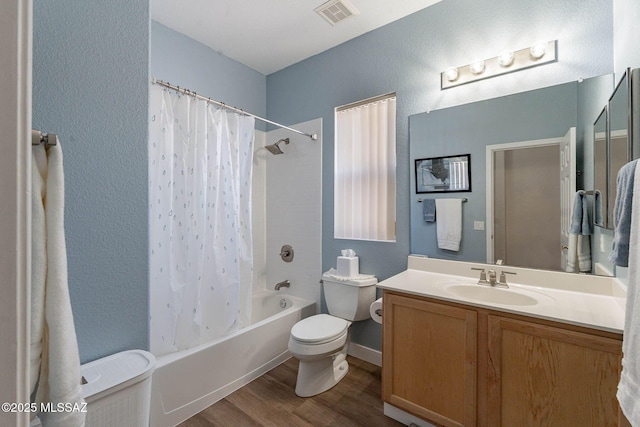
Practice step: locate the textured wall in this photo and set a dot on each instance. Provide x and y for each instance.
(183, 61)
(90, 86)
(626, 30)
(407, 56)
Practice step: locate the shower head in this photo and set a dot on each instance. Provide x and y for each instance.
(275, 148)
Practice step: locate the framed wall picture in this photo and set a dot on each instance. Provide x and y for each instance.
(443, 174)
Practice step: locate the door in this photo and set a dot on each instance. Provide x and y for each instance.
(15, 122)
(567, 190)
(530, 188)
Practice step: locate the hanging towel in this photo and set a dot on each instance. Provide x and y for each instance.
(429, 210)
(619, 254)
(629, 386)
(579, 252)
(449, 224)
(52, 320)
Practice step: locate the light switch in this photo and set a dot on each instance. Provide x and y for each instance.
(478, 225)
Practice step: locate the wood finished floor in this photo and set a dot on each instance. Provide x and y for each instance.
(271, 401)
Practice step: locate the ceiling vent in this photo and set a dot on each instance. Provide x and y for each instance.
(335, 11)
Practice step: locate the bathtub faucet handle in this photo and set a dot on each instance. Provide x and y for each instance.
(283, 284)
(286, 253)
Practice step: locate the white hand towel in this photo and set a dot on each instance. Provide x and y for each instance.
(449, 223)
(629, 386)
(60, 377)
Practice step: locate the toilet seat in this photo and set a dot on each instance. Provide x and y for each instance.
(319, 329)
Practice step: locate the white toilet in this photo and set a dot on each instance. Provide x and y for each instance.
(320, 341)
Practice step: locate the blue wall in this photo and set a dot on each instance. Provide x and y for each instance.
(183, 61)
(90, 78)
(90, 86)
(406, 57)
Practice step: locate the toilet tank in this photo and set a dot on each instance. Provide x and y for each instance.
(349, 299)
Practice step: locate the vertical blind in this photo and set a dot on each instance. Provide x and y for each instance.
(365, 170)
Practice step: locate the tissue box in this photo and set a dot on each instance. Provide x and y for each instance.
(348, 266)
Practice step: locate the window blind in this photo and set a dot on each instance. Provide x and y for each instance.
(365, 170)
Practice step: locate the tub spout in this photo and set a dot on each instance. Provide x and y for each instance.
(283, 284)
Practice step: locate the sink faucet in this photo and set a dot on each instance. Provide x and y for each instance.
(283, 284)
(489, 277)
(492, 277)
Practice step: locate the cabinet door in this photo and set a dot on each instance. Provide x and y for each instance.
(545, 376)
(429, 360)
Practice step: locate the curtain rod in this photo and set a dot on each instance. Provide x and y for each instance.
(313, 136)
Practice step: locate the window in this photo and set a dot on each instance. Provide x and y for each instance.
(365, 170)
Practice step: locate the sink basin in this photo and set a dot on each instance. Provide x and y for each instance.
(492, 295)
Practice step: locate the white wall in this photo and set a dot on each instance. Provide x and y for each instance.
(626, 33)
(294, 211)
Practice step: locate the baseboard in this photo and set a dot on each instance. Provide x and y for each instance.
(404, 417)
(365, 353)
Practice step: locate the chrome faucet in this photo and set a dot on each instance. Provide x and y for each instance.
(283, 284)
(492, 277)
(489, 277)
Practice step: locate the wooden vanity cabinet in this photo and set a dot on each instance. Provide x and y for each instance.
(458, 365)
(429, 359)
(543, 375)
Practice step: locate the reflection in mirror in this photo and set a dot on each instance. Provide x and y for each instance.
(526, 187)
(546, 113)
(600, 168)
(619, 147)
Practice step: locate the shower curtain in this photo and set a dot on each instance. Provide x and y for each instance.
(201, 263)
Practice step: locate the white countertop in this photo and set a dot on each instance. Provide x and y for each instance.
(577, 299)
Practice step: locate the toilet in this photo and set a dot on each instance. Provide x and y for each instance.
(320, 342)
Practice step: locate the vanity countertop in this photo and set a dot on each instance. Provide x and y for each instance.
(583, 300)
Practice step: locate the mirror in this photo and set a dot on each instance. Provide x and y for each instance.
(543, 114)
(600, 169)
(619, 147)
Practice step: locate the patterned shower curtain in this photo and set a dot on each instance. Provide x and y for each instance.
(200, 163)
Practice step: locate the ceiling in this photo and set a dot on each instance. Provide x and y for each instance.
(269, 35)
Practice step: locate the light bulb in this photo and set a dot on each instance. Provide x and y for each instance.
(477, 67)
(451, 74)
(538, 50)
(505, 59)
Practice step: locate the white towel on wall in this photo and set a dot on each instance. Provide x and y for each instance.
(52, 319)
(629, 386)
(449, 223)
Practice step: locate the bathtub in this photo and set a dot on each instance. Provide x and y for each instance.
(186, 382)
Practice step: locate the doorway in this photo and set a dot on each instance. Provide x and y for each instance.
(530, 185)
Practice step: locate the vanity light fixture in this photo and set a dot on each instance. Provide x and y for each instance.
(507, 62)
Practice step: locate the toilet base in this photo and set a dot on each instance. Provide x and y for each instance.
(317, 376)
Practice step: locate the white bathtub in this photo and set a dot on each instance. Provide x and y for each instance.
(186, 382)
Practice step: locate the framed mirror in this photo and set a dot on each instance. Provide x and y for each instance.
(620, 150)
(600, 153)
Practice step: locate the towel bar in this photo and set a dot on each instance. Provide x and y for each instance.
(463, 200)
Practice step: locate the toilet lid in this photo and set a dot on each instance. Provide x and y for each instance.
(319, 328)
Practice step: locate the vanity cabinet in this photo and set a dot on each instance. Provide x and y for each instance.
(429, 359)
(458, 365)
(542, 375)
